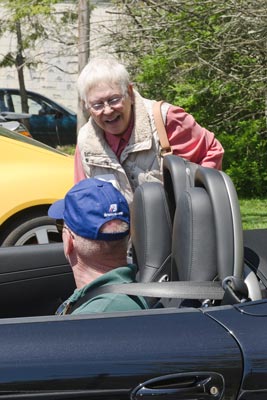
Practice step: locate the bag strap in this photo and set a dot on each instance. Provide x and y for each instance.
(163, 138)
(178, 289)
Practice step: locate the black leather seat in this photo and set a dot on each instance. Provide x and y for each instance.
(207, 241)
(151, 233)
(153, 210)
(207, 233)
(194, 237)
(189, 228)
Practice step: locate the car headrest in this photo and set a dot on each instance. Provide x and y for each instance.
(194, 237)
(227, 220)
(178, 175)
(208, 237)
(151, 233)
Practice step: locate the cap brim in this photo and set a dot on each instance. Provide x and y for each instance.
(56, 210)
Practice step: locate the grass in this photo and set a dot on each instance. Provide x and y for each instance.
(253, 211)
(67, 149)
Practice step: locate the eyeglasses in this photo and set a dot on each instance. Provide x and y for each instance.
(60, 226)
(114, 102)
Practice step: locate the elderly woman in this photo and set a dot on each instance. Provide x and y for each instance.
(120, 142)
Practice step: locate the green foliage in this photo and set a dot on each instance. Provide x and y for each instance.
(245, 158)
(8, 60)
(20, 9)
(209, 58)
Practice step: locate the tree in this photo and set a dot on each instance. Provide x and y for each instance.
(83, 50)
(211, 56)
(32, 22)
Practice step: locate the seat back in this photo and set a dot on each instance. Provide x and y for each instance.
(193, 243)
(189, 228)
(151, 233)
(152, 210)
(207, 231)
(207, 241)
(227, 220)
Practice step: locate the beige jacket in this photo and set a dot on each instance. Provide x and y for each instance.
(140, 161)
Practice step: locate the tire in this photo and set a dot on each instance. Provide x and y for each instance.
(31, 229)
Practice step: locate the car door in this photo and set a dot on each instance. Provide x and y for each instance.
(66, 125)
(42, 123)
(53, 124)
(43, 126)
(34, 280)
(149, 354)
(247, 324)
(56, 124)
(161, 353)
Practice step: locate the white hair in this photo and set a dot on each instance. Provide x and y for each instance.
(100, 69)
(87, 247)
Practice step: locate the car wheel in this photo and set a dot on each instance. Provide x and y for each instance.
(31, 230)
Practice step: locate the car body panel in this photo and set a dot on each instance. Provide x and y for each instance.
(50, 122)
(105, 355)
(115, 353)
(248, 325)
(32, 174)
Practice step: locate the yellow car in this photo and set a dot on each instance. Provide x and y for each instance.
(33, 176)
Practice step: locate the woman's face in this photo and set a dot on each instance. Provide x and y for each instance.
(109, 108)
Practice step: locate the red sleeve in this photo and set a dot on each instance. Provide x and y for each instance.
(191, 141)
(79, 174)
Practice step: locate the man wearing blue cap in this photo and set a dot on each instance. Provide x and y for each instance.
(95, 221)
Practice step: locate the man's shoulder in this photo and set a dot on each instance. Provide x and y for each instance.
(111, 302)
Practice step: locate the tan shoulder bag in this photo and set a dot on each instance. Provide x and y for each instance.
(164, 142)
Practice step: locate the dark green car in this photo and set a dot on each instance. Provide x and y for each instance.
(50, 122)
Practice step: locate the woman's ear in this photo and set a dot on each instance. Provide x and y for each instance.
(85, 109)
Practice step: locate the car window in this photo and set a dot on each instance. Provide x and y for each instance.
(16, 103)
(6, 102)
(3, 102)
(39, 107)
(36, 107)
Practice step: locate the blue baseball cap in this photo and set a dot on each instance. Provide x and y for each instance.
(88, 205)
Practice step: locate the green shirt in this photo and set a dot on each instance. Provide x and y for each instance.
(108, 302)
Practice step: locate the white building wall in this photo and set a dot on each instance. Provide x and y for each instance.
(57, 78)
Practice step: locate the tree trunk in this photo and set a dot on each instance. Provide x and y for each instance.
(20, 66)
(83, 52)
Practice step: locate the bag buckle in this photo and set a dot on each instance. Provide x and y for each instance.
(166, 151)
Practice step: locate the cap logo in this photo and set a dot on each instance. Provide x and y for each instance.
(113, 208)
(113, 211)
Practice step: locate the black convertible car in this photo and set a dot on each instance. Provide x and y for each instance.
(204, 336)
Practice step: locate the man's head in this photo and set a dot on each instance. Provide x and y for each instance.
(105, 88)
(88, 206)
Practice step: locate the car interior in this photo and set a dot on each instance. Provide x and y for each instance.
(187, 230)
(193, 224)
